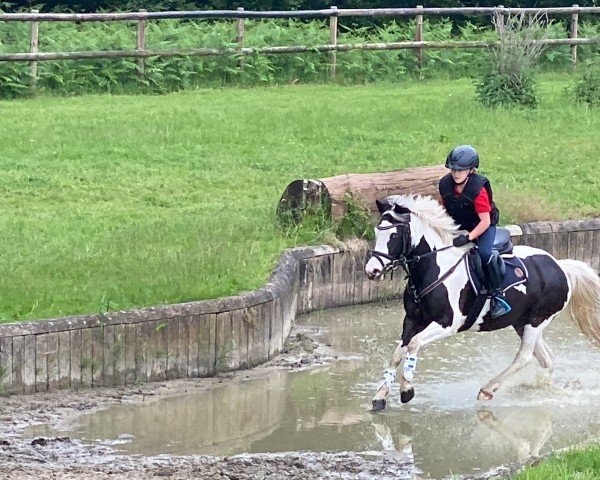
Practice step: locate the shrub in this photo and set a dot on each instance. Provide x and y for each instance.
(496, 89)
(510, 79)
(586, 88)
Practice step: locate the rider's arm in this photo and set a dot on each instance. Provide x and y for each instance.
(483, 208)
(482, 226)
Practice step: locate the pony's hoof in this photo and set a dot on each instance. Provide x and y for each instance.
(407, 396)
(378, 405)
(483, 395)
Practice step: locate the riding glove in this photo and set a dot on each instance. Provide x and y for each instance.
(461, 240)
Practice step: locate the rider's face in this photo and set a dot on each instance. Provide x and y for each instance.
(459, 176)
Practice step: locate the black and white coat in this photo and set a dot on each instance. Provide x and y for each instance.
(415, 227)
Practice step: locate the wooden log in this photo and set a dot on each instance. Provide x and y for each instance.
(75, 360)
(6, 364)
(329, 195)
(29, 362)
(64, 359)
(41, 362)
(129, 351)
(18, 364)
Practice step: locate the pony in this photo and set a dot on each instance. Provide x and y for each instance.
(416, 233)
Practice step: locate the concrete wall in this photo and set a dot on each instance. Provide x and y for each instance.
(576, 239)
(199, 339)
(194, 339)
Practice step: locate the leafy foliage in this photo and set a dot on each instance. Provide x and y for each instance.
(161, 75)
(497, 89)
(510, 79)
(357, 222)
(586, 88)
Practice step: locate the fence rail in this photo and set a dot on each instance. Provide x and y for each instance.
(323, 13)
(333, 13)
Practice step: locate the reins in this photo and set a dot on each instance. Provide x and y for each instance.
(405, 262)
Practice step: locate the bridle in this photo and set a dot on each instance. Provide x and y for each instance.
(407, 260)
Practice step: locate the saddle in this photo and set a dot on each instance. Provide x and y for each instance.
(513, 270)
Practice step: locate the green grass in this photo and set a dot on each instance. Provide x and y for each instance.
(115, 202)
(574, 465)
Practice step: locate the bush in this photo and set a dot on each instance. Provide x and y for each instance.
(497, 89)
(510, 80)
(586, 88)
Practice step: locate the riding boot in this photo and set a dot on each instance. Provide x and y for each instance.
(499, 306)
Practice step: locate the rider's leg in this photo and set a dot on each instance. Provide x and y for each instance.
(499, 305)
(493, 276)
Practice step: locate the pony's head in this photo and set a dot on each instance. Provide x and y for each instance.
(408, 223)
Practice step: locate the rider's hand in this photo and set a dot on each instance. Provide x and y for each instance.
(461, 240)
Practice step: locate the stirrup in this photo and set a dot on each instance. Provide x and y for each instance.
(499, 306)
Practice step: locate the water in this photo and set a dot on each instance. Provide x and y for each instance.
(444, 427)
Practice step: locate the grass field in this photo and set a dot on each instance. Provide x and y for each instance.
(574, 465)
(122, 201)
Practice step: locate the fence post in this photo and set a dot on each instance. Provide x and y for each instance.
(141, 44)
(33, 48)
(500, 22)
(333, 28)
(240, 28)
(419, 38)
(574, 33)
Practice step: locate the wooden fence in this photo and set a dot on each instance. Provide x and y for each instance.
(239, 15)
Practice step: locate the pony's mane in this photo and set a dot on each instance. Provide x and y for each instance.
(429, 212)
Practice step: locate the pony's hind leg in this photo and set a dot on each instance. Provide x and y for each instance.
(545, 358)
(528, 342)
(543, 354)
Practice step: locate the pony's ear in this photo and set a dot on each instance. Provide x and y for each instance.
(400, 210)
(382, 205)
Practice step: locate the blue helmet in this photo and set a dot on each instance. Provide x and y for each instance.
(463, 157)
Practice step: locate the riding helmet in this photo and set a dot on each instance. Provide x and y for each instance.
(463, 157)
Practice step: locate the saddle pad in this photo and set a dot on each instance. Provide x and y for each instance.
(515, 274)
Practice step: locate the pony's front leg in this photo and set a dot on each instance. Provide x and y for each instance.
(389, 376)
(433, 331)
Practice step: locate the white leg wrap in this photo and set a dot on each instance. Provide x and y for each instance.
(410, 366)
(389, 377)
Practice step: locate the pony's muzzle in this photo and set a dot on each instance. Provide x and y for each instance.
(374, 272)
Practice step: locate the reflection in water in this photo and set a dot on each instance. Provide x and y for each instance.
(444, 428)
(527, 433)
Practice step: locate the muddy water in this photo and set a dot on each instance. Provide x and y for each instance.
(445, 429)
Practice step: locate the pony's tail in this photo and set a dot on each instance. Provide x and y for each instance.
(584, 306)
